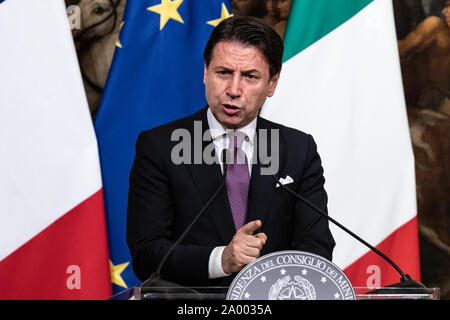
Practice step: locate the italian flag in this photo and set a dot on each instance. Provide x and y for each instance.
(53, 241)
(341, 82)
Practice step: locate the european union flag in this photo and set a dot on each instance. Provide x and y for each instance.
(156, 77)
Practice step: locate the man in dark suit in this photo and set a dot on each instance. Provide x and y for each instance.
(171, 180)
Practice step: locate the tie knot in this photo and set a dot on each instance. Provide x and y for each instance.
(237, 139)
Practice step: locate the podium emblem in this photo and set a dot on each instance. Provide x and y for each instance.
(291, 275)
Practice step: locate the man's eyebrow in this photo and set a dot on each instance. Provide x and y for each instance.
(251, 71)
(245, 72)
(222, 69)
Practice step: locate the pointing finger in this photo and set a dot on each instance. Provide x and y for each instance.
(250, 227)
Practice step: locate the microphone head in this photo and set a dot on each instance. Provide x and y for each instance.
(265, 162)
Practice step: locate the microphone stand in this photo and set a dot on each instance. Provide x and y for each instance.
(155, 283)
(405, 281)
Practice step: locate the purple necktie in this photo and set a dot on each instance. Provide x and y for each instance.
(238, 180)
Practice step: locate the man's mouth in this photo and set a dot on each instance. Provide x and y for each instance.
(230, 109)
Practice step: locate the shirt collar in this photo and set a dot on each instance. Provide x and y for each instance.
(218, 131)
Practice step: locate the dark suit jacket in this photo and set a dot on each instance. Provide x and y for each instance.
(164, 198)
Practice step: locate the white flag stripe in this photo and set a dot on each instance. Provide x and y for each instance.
(346, 91)
(48, 147)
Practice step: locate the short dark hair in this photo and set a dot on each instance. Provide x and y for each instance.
(249, 31)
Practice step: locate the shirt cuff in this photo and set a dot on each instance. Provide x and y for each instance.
(215, 264)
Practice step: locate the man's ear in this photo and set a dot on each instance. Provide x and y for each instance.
(205, 70)
(273, 84)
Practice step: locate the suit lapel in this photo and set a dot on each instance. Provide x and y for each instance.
(207, 178)
(261, 186)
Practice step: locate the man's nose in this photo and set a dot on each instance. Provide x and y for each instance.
(234, 87)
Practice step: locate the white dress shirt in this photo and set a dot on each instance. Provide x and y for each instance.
(221, 139)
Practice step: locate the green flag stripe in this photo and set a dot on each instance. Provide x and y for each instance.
(310, 20)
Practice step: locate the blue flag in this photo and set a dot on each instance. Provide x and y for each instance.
(156, 77)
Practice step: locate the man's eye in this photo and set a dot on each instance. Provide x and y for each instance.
(251, 76)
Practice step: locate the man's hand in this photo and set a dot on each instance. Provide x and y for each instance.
(244, 248)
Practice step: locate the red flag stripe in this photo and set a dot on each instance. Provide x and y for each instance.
(67, 260)
(402, 246)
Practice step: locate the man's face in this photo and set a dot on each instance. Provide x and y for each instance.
(237, 83)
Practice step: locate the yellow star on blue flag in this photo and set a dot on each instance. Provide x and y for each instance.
(118, 44)
(168, 10)
(116, 272)
(224, 15)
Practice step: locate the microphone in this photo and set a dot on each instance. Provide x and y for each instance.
(155, 279)
(405, 281)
